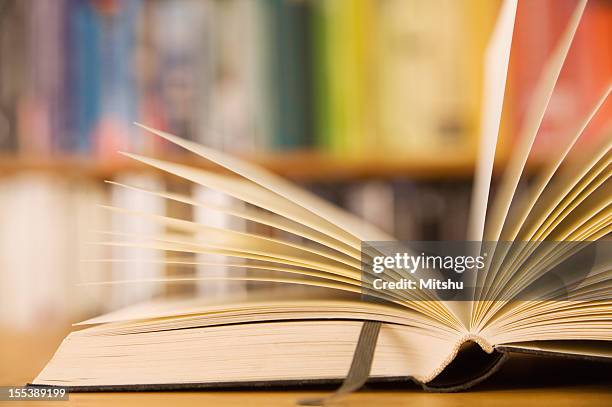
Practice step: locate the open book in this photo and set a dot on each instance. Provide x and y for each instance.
(299, 337)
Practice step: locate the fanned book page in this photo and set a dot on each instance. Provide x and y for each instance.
(542, 285)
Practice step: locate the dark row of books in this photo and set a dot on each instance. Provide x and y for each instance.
(239, 74)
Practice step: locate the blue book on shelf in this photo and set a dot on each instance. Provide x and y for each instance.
(82, 76)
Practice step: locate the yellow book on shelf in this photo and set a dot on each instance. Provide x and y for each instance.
(430, 57)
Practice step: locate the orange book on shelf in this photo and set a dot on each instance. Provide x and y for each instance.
(596, 46)
(586, 74)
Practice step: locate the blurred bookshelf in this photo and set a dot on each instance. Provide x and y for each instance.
(300, 166)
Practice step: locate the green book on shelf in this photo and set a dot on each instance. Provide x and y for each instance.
(290, 72)
(345, 61)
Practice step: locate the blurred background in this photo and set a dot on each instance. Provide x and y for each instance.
(372, 104)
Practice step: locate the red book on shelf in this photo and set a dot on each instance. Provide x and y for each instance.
(586, 74)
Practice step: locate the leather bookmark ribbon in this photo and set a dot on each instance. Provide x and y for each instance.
(360, 366)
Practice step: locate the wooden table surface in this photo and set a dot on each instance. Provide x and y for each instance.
(519, 383)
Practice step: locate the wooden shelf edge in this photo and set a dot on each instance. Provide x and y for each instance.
(296, 165)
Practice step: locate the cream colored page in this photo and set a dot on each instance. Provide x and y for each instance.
(322, 283)
(348, 278)
(591, 229)
(312, 204)
(581, 192)
(595, 329)
(529, 130)
(243, 305)
(495, 74)
(208, 234)
(253, 194)
(283, 188)
(496, 71)
(562, 315)
(545, 177)
(582, 223)
(243, 248)
(421, 306)
(582, 189)
(237, 245)
(576, 183)
(570, 348)
(600, 200)
(258, 307)
(600, 221)
(272, 264)
(425, 300)
(259, 216)
(567, 228)
(513, 318)
(566, 188)
(174, 244)
(313, 279)
(572, 201)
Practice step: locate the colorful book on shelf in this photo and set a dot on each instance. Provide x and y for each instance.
(397, 75)
(588, 66)
(429, 56)
(240, 112)
(84, 75)
(38, 105)
(331, 327)
(291, 73)
(11, 76)
(343, 75)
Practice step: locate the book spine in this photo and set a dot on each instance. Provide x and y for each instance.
(425, 76)
(82, 76)
(118, 91)
(239, 107)
(347, 31)
(289, 73)
(260, 82)
(13, 47)
(39, 110)
(319, 33)
(183, 47)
